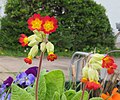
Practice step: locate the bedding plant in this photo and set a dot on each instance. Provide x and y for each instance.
(34, 84)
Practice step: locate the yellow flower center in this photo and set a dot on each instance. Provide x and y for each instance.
(48, 26)
(25, 40)
(36, 23)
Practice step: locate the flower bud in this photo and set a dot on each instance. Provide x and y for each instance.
(33, 51)
(30, 38)
(32, 43)
(93, 75)
(85, 71)
(43, 46)
(50, 47)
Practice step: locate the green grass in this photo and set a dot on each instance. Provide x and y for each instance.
(17, 53)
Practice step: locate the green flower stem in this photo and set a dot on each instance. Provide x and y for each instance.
(38, 76)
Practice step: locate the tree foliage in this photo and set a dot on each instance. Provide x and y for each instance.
(82, 23)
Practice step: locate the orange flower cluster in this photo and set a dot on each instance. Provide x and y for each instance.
(114, 96)
(46, 24)
(109, 64)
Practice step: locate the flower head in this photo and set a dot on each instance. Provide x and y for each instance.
(114, 96)
(25, 80)
(32, 70)
(51, 57)
(8, 81)
(28, 60)
(93, 85)
(107, 61)
(49, 24)
(23, 40)
(35, 22)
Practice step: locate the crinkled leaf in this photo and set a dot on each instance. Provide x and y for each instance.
(20, 94)
(70, 94)
(54, 83)
(96, 98)
(56, 96)
(79, 95)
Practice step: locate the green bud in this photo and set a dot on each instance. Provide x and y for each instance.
(93, 74)
(32, 43)
(96, 57)
(43, 46)
(33, 51)
(97, 65)
(85, 71)
(50, 47)
(32, 37)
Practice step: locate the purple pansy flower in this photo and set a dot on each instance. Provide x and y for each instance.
(3, 93)
(25, 80)
(8, 81)
(32, 70)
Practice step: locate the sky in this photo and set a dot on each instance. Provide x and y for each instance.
(112, 10)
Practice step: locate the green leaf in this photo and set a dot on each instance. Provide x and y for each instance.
(64, 97)
(20, 94)
(56, 96)
(70, 94)
(41, 87)
(54, 83)
(79, 95)
(96, 98)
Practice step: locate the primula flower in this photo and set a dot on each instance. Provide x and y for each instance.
(32, 70)
(25, 80)
(84, 80)
(35, 22)
(51, 57)
(49, 24)
(93, 85)
(23, 40)
(8, 81)
(107, 61)
(28, 60)
(114, 96)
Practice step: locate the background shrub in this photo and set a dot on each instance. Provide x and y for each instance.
(83, 24)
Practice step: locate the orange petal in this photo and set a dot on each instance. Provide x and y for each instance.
(116, 96)
(114, 90)
(104, 96)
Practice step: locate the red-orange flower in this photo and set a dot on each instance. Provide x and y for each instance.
(107, 61)
(28, 60)
(111, 69)
(93, 85)
(114, 96)
(49, 25)
(23, 40)
(35, 22)
(84, 80)
(51, 57)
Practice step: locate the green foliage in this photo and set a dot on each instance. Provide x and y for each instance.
(51, 87)
(79, 95)
(83, 24)
(20, 94)
(96, 98)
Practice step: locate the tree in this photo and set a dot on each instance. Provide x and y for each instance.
(82, 23)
